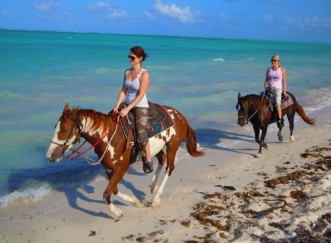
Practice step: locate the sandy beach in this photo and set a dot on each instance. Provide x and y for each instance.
(228, 195)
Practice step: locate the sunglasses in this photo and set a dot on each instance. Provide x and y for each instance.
(274, 60)
(132, 58)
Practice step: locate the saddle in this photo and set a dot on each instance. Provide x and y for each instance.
(158, 119)
(286, 101)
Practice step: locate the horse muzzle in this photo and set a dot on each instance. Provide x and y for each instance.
(55, 157)
(242, 122)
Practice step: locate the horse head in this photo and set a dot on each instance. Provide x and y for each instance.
(242, 109)
(67, 133)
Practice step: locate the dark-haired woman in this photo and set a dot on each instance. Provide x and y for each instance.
(133, 94)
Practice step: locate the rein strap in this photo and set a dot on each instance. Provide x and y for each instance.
(92, 146)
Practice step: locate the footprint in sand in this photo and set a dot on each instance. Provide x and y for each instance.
(246, 166)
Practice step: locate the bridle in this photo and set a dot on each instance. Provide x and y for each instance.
(79, 125)
(246, 114)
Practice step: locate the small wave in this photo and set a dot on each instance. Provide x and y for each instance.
(218, 60)
(229, 143)
(318, 99)
(28, 195)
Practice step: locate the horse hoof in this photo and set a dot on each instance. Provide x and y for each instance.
(156, 202)
(118, 213)
(138, 203)
(292, 138)
(258, 155)
(280, 138)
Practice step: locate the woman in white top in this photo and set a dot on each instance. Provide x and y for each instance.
(275, 83)
(133, 94)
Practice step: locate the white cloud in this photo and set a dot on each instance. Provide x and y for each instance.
(5, 12)
(268, 17)
(46, 6)
(225, 16)
(184, 15)
(50, 9)
(107, 9)
(310, 23)
(149, 15)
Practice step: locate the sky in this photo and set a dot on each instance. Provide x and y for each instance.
(288, 20)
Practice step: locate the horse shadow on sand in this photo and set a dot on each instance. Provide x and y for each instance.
(72, 179)
(215, 139)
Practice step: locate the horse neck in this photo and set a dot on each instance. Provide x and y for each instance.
(95, 124)
(254, 103)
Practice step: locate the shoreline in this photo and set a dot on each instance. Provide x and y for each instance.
(221, 196)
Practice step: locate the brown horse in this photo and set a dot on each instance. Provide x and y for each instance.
(103, 131)
(256, 110)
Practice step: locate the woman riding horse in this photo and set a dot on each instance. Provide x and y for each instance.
(109, 142)
(256, 110)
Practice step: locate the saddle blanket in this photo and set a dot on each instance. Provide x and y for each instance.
(159, 120)
(287, 102)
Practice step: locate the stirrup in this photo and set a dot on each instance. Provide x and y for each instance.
(148, 166)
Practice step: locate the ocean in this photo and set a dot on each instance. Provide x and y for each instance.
(40, 71)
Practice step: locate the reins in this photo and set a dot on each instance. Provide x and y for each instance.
(89, 160)
(249, 118)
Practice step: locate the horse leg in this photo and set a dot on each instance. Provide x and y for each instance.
(257, 139)
(114, 177)
(264, 133)
(107, 194)
(171, 154)
(290, 117)
(279, 134)
(161, 157)
(131, 199)
(261, 141)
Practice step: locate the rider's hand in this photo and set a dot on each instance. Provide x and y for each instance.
(124, 112)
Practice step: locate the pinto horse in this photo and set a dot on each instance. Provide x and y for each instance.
(103, 131)
(256, 110)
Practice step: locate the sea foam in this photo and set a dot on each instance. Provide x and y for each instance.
(28, 195)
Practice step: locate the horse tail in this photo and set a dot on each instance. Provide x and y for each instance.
(301, 112)
(191, 143)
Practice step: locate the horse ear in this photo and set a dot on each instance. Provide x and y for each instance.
(66, 107)
(76, 108)
(239, 95)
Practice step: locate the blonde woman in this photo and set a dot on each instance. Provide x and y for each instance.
(275, 83)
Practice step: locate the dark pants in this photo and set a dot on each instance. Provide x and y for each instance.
(141, 122)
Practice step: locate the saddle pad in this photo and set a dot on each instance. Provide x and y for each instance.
(155, 128)
(164, 124)
(287, 102)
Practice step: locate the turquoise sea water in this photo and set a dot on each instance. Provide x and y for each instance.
(41, 71)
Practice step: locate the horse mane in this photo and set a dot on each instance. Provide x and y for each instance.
(252, 100)
(95, 120)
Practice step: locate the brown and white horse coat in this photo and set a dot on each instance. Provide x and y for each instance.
(103, 131)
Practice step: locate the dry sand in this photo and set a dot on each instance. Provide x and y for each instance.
(226, 196)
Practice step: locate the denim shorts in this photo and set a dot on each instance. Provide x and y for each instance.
(277, 95)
